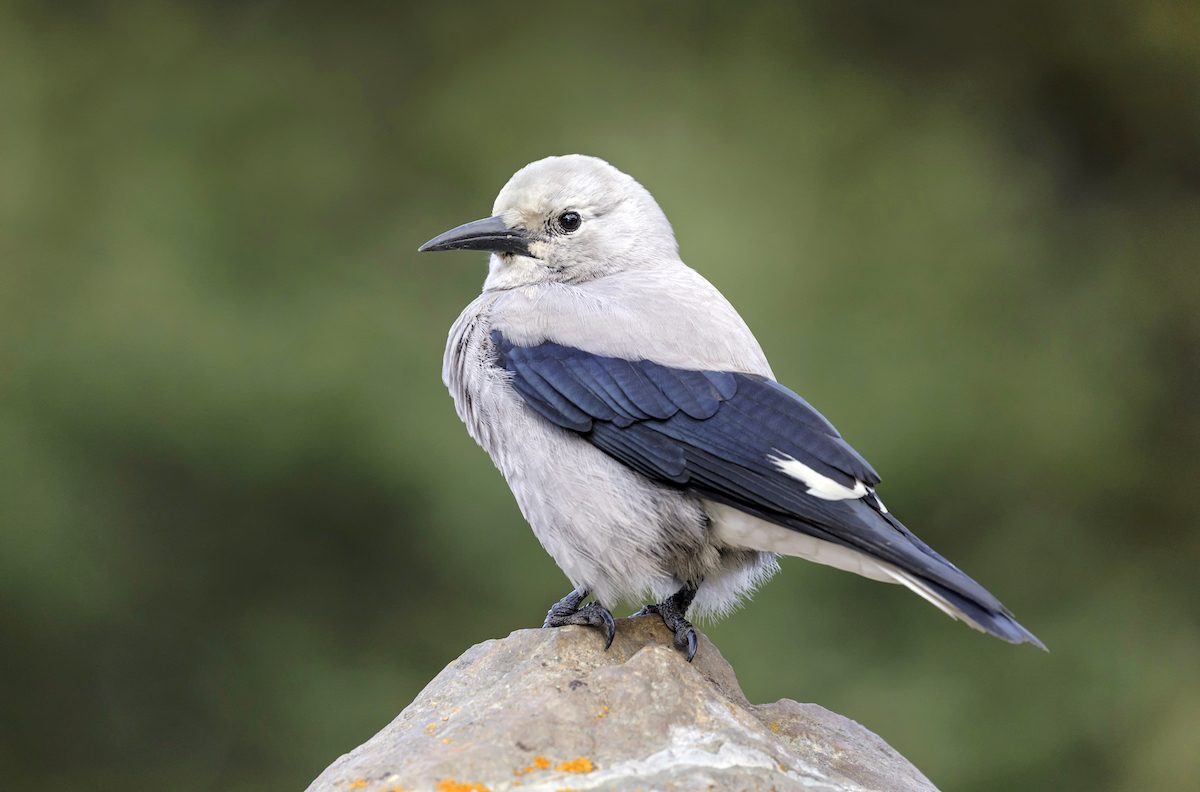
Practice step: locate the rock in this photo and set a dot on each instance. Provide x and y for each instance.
(551, 710)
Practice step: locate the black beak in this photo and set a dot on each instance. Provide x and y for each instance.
(491, 234)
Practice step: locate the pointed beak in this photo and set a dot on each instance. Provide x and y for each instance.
(491, 234)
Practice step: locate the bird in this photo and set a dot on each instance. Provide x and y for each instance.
(639, 425)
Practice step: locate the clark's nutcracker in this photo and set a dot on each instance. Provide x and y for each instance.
(638, 423)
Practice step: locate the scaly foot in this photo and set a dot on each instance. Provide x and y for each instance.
(567, 611)
(673, 611)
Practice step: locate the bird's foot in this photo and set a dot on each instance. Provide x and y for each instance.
(673, 611)
(567, 611)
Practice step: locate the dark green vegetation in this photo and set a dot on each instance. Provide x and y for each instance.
(240, 525)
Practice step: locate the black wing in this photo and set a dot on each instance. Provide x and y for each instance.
(722, 435)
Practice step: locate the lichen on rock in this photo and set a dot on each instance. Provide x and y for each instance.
(551, 710)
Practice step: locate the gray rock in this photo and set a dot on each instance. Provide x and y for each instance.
(551, 710)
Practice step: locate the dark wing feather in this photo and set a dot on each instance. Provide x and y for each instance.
(718, 434)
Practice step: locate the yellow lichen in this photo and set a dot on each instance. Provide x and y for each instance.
(775, 727)
(603, 712)
(431, 728)
(579, 765)
(450, 785)
(539, 763)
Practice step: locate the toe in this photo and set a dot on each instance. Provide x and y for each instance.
(593, 615)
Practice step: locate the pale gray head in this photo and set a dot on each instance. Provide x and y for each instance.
(566, 219)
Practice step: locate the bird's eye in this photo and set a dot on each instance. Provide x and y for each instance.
(569, 221)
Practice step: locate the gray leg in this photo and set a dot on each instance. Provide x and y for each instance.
(673, 611)
(567, 611)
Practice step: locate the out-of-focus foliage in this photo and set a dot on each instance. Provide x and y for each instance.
(240, 525)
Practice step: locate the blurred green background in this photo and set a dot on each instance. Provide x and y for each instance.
(241, 526)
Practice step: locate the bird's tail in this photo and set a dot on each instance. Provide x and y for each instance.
(998, 623)
(896, 555)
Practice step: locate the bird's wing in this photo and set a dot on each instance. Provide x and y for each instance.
(743, 440)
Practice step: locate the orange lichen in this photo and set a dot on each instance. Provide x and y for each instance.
(539, 763)
(450, 785)
(579, 765)
(358, 783)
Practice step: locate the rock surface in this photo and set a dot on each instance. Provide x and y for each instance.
(551, 710)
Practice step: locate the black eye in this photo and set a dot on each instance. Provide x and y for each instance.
(569, 221)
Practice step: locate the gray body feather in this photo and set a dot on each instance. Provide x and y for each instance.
(611, 530)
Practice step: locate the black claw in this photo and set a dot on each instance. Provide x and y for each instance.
(567, 611)
(610, 627)
(692, 644)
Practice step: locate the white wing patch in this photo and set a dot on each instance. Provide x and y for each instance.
(819, 486)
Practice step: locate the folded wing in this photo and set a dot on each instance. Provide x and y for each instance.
(745, 441)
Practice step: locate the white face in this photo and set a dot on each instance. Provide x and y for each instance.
(586, 220)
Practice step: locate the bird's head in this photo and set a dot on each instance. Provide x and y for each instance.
(566, 219)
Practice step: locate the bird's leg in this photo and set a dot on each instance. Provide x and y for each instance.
(567, 611)
(673, 611)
